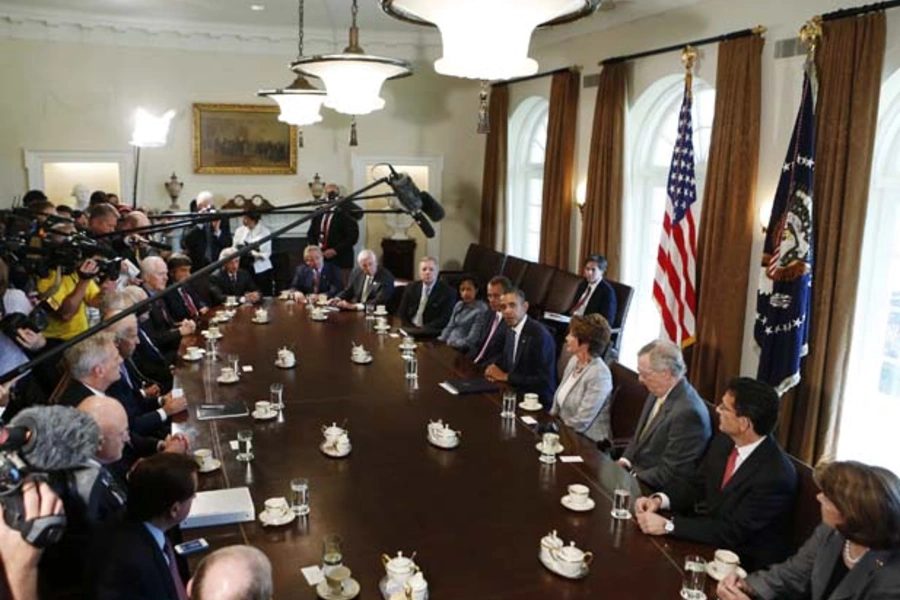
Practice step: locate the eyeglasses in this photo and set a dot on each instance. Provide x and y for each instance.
(722, 407)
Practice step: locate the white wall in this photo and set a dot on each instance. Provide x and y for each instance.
(82, 96)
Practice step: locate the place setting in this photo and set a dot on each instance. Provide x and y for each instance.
(194, 353)
(228, 376)
(276, 512)
(318, 313)
(359, 355)
(381, 324)
(403, 579)
(549, 447)
(578, 499)
(286, 359)
(223, 316)
(337, 441)
(441, 435)
(568, 561)
(264, 411)
(338, 585)
(212, 333)
(408, 345)
(206, 462)
(261, 316)
(231, 302)
(530, 403)
(724, 563)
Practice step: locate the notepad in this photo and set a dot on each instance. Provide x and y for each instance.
(235, 408)
(220, 507)
(559, 318)
(476, 385)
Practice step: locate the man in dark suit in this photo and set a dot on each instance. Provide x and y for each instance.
(231, 280)
(528, 359)
(335, 232)
(316, 276)
(184, 303)
(674, 427)
(162, 328)
(493, 326)
(205, 241)
(93, 365)
(426, 304)
(369, 284)
(134, 559)
(594, 294)
(742, 495)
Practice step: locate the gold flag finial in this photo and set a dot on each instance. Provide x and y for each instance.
(689, 57)
(811, 34)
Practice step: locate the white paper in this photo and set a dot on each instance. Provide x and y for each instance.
(247, 368)
(449, 388)
(234, 445)
(220, 507)
(528, 420)
(552, 316)
(570, 459)
(394, 335)
(314, 574)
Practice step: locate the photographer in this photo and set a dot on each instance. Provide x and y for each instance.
(14, 341)
(68, 298)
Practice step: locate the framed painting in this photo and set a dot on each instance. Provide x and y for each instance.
(243, 139)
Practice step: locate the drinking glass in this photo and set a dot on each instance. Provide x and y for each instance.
(331, 552)
(508, 410)
(694, 582)
(370, 311)
(621, 503)
(276, 395)
(412, 367)
(300, 496)
(245, 445)
(212, 346)
(234, 361)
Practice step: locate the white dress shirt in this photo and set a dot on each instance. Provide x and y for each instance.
(261, 256)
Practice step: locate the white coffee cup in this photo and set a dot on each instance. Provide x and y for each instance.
(381, 309)
(204, 457)
(277, 506)
(263, 407)
(531, 399)
(333, 433)
(551, 442)
(228, 373)
(726, 561)
(231, 300)
(579, 494)
(194, 351)
(213, 330)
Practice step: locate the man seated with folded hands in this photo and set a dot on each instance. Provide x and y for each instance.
(741, 496)
(316, 276)
(369, 284)
(426, 304)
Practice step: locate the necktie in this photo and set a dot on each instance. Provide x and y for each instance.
(112, 486)
(509, 349)
(582, 301)
(165, 313)
(189, 303)
(123, 371)
(315, 281)
(489, 337)
(326, 224)
(420, 313)
(173, 571)
(233, 278)
(365, 290)
(730, 467)
(653, 413)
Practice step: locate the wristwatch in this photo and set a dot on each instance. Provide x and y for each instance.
(670, 526)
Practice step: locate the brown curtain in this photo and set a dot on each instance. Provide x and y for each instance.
(728, 215)
(559, 169)
(601, 227)
(493, 181)
(849, 65)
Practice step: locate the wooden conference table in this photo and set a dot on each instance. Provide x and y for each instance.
(474, 515)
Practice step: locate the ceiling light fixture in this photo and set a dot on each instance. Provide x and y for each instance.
(300, 102)
(353, 79)
(487, 39)
(257, 7)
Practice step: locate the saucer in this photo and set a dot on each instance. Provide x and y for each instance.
(540, 448)
(383, 313)
(530, 407)
(221, 379)
(351, 591)
(583, 507)
(260, 322)
(190, 358)
(713, 571)
(210, 336)
(231, 304)
(332, 451)
(443, 444)
(554, 566)
(214, 465)
(281, 365)
(264, 416)
(362, 361)
(382, 328)
(276, 520)
(322, 318)
(405, 347)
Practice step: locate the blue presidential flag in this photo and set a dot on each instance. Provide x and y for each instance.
(785, 276)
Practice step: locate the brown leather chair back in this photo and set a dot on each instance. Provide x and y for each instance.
(806, 515)
(514, 269)
(561, 294)
(627, 399)
(536, 284)
(624, 294)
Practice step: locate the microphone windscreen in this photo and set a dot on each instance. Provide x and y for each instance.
(62, 437)
(424, 225)
(431, 207)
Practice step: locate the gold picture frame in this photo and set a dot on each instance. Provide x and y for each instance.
(243, 139)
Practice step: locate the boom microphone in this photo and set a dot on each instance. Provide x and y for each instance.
(136, 240)
(412, 200)
(431, 207)
(52, 438)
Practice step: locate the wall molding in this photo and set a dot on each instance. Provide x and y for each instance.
(35, 160)
(17, 22)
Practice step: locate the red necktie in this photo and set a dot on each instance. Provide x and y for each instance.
(729, 467)
(582, 300)
(192, 308)
(173, 571)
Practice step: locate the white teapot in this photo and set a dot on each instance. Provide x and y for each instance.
(262, 314)
(571, 560)
(332, 432)
(399, 570)
(549, 544)
(286, 357)
(416, 588)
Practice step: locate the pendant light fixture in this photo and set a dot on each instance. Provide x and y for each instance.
(487, 39)
(300, 102)
(353, 79)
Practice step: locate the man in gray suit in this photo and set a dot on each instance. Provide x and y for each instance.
(674, 427)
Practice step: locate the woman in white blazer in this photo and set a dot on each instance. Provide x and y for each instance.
(853, 555)
(582, 398)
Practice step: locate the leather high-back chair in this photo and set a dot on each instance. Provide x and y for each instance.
(624, 294)
(514, 269)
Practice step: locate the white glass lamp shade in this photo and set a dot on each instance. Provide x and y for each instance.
(300, 102)
(353, 81)
(486, 39)
(150, 131)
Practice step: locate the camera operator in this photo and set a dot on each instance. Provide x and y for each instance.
(68, 298)
(15, 342)
(18, 557)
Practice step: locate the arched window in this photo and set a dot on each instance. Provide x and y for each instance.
(871, 400)
(527, 144)
(653, 123)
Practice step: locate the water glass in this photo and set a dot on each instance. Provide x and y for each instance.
(234, 361)
(212, 346)
(370, 311)
(332, 556)
(276, 395)
(694, 578)
(300, 496)
(621, 503)
(411, 367)
(245, 445)
(508, 410)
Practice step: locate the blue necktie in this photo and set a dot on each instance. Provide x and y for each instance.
(509, 349)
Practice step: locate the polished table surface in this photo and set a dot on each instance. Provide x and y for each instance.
(474, 515)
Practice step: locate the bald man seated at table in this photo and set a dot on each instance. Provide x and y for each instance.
(233, 573)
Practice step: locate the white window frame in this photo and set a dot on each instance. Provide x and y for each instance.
(526, 120)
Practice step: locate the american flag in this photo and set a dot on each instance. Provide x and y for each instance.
(785, 275)
(673, 286)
